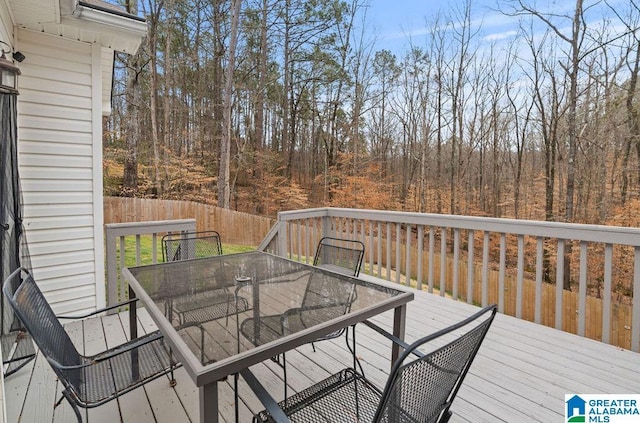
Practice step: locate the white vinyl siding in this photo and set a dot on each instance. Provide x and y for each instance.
(57, 127)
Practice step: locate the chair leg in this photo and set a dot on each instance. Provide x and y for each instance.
(172, 366)
(284, 367)
(352, 349)
(445, 417)
(236, 397)
(76, 410)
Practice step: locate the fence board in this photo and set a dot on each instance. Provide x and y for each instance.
(234, 227)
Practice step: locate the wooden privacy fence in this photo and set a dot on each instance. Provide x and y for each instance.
(234, 227)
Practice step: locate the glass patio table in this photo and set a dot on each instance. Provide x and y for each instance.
(200, 305)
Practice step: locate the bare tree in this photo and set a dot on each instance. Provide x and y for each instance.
(224, 190)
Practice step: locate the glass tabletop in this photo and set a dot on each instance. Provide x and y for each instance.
(226, 305)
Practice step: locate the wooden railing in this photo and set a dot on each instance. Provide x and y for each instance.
(513, 263)
(115, 237)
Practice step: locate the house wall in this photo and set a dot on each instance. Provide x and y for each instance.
(5, 24)
(59, 132)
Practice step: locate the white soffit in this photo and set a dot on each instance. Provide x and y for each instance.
(79, 21)
(34, 11)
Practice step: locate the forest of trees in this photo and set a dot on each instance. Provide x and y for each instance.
(267, 105)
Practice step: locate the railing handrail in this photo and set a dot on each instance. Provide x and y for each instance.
(442, 251)
(394, 232)
(560, 230)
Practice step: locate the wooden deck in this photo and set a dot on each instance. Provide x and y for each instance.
(521, 374)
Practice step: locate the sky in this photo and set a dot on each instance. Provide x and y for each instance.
(395, 22)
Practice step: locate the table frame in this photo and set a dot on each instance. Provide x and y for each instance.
(207, 377)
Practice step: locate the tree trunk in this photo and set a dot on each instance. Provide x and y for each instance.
(224, 191)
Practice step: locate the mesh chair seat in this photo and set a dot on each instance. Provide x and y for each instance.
(209, 306)
(276, 326)
(99, 380)
(325, 298)
(418, 390)
(344, 396)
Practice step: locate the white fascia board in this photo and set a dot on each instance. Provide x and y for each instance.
(120, 23)
(129, 31)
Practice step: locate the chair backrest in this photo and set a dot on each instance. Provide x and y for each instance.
(190, 245)
(326, 297)
(340, 255)
(31, 307)
(423, 389)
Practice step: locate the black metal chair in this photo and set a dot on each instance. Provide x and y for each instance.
(89, 381)
(417, 390)
(325, 298)
(207, 306)
(190, 245)
(340, 255)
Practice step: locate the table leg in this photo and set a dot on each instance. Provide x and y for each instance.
(399, 323)
(209, 403)
(133, 318)
(133, 332)
(256, 311)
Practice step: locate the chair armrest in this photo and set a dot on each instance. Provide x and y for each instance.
(277, 279)
(132, 345)
(265, 398)
(111, 307)
(129, 346)
(393, 338)
(189, 325)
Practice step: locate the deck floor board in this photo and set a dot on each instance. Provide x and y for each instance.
(522, 371)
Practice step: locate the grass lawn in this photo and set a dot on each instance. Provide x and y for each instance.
(146, 250)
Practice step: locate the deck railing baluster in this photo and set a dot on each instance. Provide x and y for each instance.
(407, 246)
(398, 251)
(520, 276)
(456, 262)
(371, 251)
(582, 290)
(559, 283)
(470, 268)
(432, 266)
(606, 300)
(419, 264)
(443, 262)
(539, 271)
(299, 236)
(388, 251)
(502, 269)
(485, 269)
